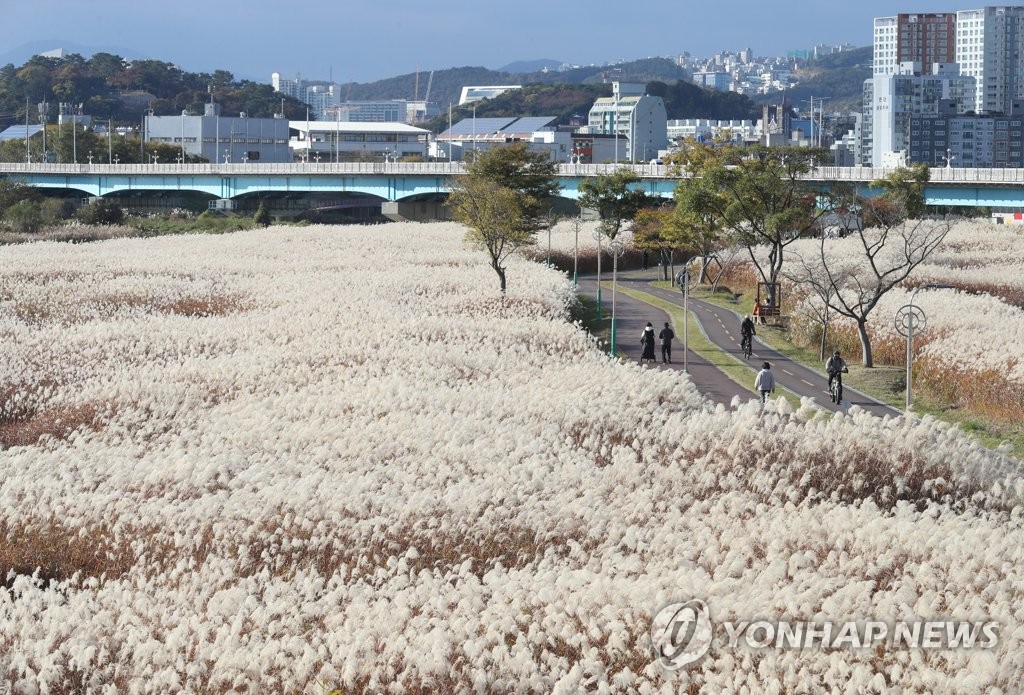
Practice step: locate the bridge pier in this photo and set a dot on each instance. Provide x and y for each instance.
(415, 211)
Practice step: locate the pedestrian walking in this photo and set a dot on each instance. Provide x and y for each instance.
(764, 382)
(666, 336)
(647, 340)
(645, 260)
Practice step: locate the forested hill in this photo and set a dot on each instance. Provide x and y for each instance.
(563, 101)
(839, 78)
(446, 85)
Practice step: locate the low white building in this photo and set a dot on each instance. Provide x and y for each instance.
(222, 138)
(708, 130)
(331, 141)
(482, 134)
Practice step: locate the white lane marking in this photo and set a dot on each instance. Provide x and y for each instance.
(786, 371)
(807, 382)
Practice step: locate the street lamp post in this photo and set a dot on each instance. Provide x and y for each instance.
(576, 224)
(684, 283)
(617, 250)
(598, 235)
(911, 319)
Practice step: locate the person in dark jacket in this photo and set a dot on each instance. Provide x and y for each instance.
(666, 336)
(647, 340)
(747, 331)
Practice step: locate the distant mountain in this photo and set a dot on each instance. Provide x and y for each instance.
(531, 65)
(446, 85)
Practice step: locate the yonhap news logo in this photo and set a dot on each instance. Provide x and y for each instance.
(682, 633)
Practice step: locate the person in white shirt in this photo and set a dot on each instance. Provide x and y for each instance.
(765, 381)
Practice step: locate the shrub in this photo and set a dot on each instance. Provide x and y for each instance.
(24, 217)
(262, 216)
(100, 212)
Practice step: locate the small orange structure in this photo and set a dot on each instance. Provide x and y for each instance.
(768, 302)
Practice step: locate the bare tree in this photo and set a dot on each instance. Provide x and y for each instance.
(892, 248)
(811, 273)
(724, 258)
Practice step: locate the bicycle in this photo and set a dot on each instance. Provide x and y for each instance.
(836, 390)
(747, 345)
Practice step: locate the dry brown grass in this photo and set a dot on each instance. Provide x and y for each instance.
(57, 552)
(22, 423)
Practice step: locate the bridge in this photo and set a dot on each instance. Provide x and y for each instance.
(398, 182)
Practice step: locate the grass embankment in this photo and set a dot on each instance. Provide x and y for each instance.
(586, 314)
(883, 383)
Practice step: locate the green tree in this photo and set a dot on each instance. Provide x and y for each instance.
(24, 217)
(697, 224)
(654, 231)
(14, 191)
(759, 194)
(262, 216)
(905, 188)
(497, 218)
(615, 198)
(531, 174)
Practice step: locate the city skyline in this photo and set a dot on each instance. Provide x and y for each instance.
(359, 41)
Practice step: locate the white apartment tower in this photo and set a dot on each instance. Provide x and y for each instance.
(630, 114)
(890, 101)
(884, 47)
(990, 48)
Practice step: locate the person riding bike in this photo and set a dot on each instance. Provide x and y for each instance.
(746, 331)
(835, 366)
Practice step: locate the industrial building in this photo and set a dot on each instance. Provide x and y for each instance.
(224, 139)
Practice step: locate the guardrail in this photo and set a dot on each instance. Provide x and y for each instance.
(655, 171)
(309, 168)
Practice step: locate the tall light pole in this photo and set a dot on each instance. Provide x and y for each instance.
(911, 319)
(684, 283)
(617, 250)
(598, 235)
(576, 224)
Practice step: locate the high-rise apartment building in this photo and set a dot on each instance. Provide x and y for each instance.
(920, 38)
(890, 101)
(990, 48)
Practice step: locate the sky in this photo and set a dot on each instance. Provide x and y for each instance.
(367, 40)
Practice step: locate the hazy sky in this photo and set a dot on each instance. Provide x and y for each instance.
(366, 40)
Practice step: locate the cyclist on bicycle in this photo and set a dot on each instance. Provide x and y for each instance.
(746, 331)
(835, 366)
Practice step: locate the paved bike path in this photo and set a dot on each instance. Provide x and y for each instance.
(722, 328)
(631, 315)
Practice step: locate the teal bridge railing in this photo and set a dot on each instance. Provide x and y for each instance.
(396, 181)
